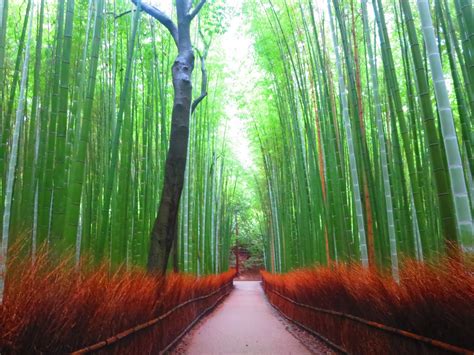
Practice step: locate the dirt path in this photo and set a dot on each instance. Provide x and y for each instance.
(244, 324)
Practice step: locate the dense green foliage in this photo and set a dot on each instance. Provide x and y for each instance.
(360, 122)
(361, 160)
(84, 158)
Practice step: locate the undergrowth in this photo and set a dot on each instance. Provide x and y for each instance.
(59, 309)
(435, 301)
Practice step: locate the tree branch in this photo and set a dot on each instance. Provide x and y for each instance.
(196, 10)
(161, 17)
(201, 97)
(203, 57)
(122, 14)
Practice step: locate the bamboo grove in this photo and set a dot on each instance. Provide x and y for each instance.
(85, 96)
(367, 133)
(361, 113)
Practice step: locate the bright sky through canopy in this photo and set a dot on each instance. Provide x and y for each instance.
(237, 48)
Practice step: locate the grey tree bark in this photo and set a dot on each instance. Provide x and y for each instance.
(164, 232)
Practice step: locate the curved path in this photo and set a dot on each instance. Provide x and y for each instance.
(244, 324)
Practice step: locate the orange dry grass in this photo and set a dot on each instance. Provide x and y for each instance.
(433, 301)
(58, 310)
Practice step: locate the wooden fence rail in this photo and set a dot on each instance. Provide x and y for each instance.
(427, 343)
(113, 340)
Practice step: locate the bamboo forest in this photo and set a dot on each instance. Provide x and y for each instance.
(236, 176)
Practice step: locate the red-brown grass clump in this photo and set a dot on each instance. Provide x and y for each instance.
(59, 310)
(432, 301)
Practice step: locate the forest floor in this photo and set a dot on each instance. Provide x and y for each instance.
(245, 323)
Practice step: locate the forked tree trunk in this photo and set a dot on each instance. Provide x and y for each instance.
(164, 231)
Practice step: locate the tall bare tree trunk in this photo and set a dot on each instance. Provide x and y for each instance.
(165, 224)
(164, 230)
